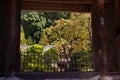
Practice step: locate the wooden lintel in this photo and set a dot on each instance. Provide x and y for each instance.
(46, 6)
(68, 1)
(61, 1)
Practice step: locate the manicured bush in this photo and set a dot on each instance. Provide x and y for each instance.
(81, 61)
(32, 59)
(51, 55)
(36, 48)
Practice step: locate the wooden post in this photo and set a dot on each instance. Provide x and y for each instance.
(117, 10)
(103, 37)
(12, 39)
(111, 37)
(3, 40)
(102, 33)
(118, 52)
(95, 38)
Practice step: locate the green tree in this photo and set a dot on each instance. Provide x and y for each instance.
(22, 36)
(44, 39)
(70, 35)
(52, 16)
(34, 22)
(29, 41)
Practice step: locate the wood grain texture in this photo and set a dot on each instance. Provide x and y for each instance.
(69, 1)
(46, 6)
(117, 10)
(118, 50)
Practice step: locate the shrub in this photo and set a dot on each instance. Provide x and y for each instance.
(81, 61)
(36, 48)
(51, 55)
(32, 59)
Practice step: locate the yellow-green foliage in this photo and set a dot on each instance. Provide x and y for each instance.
(36, 48)
(73, 33)
(51, 56)
(22, 36)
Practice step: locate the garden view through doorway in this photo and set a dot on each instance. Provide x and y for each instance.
(56, 42)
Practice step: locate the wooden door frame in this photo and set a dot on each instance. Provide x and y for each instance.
(53, 5)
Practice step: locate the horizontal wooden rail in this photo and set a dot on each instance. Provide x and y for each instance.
(63, 1)
(46, 6)
(68, 1)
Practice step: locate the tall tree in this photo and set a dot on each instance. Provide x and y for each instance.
(34, 22)
(22, 37)
(70, 35)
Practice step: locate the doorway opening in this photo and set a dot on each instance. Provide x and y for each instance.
(56, 42)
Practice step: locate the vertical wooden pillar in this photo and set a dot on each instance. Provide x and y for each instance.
(95, 38)
(118, 52)
(110, 26)
(12, 38)
(117, 10)
(18, 23)
(102, 33)
(3, 40)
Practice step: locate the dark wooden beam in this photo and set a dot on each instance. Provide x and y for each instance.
(68, 1)
(117, 20)
(117, 10)
(46, 6)
(100, 4)
(62, 1)
(99, 36)
(95, 38)
(111, 42)
(118, 51)
(18, 24)
(3, 39)
(12, 44)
